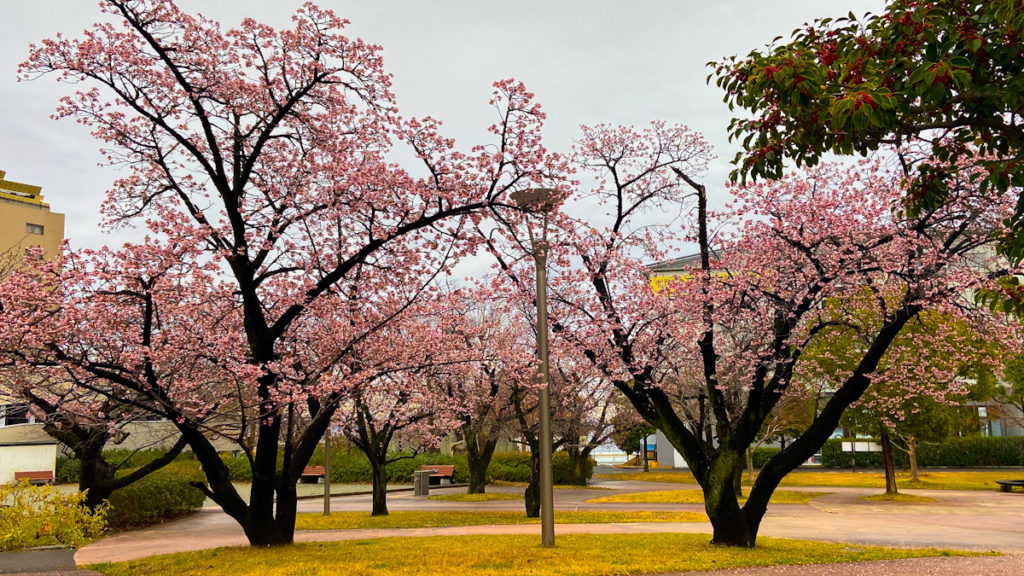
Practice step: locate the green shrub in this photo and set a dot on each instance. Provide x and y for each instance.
(239, 469)
(68, 470)
(353, 467)
(762, 454)
(972, 451)
(349, 467)
(832, 455)
(515, 467)
(510, 467)
(164, 494)
(44, 516)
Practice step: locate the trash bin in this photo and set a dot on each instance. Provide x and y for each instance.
(421, 482)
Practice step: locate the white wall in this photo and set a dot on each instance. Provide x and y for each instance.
(26, 458)
(667, 455)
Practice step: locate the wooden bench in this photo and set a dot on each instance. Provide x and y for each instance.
(441, 472)
(1007, 485)
(311, 474)
(35, 477)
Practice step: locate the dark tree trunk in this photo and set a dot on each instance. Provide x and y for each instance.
(730, 525)
(912, 456)
(96, 475)
(478, 459)
(532, 495)
(888, 462)
(737, 483)
(578, 465)
(380, 488)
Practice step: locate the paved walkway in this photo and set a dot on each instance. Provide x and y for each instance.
(972, 520)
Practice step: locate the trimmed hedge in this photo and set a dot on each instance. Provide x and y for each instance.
(762, 454)
(159, 496)
(353, 467)
(974, 451)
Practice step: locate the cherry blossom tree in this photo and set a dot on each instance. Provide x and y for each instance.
(497, 356)
(264, 154)
(397, 408)
(583, 415)
(85, 341)
(709, 356)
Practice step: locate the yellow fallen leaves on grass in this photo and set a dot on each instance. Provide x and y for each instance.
(574, 555)
(441, 518)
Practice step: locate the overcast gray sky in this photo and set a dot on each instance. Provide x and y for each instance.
(587, 61)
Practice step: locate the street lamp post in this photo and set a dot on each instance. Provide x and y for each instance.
(542, 200)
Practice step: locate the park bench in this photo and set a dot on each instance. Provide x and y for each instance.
(311, 474)
(440, 472)
(35, 476)
(1007, 485)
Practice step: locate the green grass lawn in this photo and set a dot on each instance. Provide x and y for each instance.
(697, 497)
(440, 518)
(574, 555)
(929, 480)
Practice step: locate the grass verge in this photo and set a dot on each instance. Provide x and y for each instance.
(930, 480)
(442, 518)
(463, 497)
(575, 555)
(697, 497)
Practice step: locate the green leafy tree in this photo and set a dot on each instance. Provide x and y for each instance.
(629, 430)
(1012, 391)
(949, 73)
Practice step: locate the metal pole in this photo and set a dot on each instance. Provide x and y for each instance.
(327, 471)
(547, 492)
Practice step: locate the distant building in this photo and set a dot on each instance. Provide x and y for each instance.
(26, 221)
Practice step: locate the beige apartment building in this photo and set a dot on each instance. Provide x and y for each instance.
(27, 221)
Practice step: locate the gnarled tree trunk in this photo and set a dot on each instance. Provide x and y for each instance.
(578, 459)
(380, 488)
(478, 458)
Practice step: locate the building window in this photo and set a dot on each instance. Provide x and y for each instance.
(12, 414)
(33, 228)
